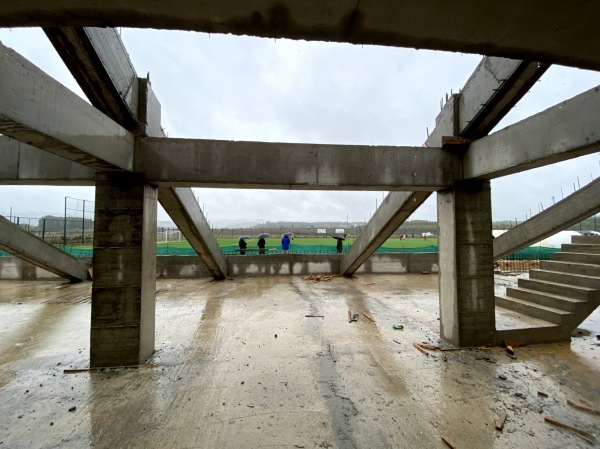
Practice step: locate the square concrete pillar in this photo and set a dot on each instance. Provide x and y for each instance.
(124, 263)
(466, 266)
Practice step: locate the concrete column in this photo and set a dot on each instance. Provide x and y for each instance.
(467, 309)
(124, 288)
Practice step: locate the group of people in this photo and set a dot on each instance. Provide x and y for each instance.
(286, 242)
(261, 245)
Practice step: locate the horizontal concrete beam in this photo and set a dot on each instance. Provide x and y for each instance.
(28, 247)
(508, 29)
(37, 110)
(182, 207)
(394, 211)
(261, 165)
(98, 60)
(565, 131)
(576, 207)
(23, 164)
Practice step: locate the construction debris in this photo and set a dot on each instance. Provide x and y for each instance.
(416, 345)
(501, 421)
(574, 430)
(368, 317)
(582, 406)
(447, 443)
(320, 277)
(314, 316)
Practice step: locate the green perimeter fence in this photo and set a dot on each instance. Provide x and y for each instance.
(531, 253)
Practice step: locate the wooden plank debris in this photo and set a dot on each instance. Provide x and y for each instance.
(314, 316)
(574, 430)
(349, 316)
(416, 345)
(320, 277)
(456, 141)
(448, 443)
(501, 421)
(368, 317)
(582, 406)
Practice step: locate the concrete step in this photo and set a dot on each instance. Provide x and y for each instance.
(531, 335)
(556, 288)
(576, 257)
(550, 314)
(580, 248)
(570, 267)
(546, 299)
(586, 239)
(580, 280)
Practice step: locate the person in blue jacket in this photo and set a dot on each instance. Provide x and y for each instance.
(285, 244)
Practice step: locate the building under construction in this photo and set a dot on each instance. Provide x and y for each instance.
(355, 360)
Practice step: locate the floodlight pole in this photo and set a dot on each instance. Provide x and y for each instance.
(65, 225)
(83, 224)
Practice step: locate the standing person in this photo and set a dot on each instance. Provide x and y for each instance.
(261, 245)
(243, 246)
(285, 244)
(340, 244)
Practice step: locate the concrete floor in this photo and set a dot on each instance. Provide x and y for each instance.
(238, 365)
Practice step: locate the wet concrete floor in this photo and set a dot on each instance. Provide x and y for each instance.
(239, 365)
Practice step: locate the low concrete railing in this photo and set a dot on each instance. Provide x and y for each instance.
(183, 267)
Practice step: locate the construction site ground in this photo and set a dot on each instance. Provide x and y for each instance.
(274, 362)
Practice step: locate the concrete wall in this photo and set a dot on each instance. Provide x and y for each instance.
(179, 267)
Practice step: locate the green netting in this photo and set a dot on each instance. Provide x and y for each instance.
(531, 253)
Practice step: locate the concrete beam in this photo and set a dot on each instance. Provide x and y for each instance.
(37, 110)
(576, 207)
(182, 207)
(36, 251)
(23, 164)
(395, 209)
(261, 165)
(99, 62)
(184, 162)
(565, 131)
(494, 87)
(97, 59)
(509, 29)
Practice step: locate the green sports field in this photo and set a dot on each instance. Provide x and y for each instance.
(308, 245)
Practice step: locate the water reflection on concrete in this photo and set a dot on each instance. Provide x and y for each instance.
(238, 364)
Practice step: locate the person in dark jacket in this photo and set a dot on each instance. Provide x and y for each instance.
(340, 244)
(261, 245)
(243, 245)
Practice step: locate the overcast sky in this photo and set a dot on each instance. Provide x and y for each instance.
(240, 88)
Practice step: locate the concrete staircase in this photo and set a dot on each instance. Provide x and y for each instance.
(557, 297)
